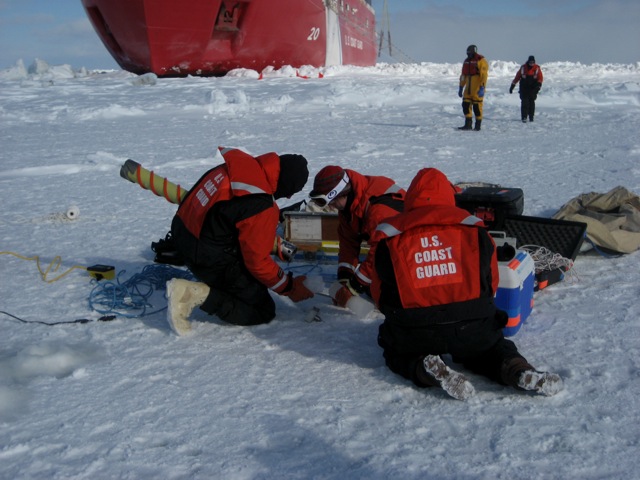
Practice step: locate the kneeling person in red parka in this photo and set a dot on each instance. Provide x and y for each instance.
(225, 230)
(436, 277)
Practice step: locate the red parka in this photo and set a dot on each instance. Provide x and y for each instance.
(252, 225)
(529, 76)
(440, 254)
(372, 199)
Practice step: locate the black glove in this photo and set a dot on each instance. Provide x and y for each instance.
(460, 91)
(538, 87)
(511, 88)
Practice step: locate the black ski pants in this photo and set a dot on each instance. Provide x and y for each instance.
(236, 296)
(528, 103)
(478, 344)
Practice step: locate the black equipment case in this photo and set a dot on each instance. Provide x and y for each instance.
(559, 236)
(501, 209)
(491, 204)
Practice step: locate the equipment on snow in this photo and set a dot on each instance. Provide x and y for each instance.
(561, 239)
(612, 219)
(283, 249)
(100, 272)
(136, 173)
(491, 204)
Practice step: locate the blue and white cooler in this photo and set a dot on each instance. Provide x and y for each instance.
(515, 290)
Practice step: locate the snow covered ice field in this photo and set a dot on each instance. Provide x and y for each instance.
(292, 399)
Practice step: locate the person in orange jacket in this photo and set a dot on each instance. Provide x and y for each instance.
(362, 202)
(225, 229)
(530, 78)
(473, 81)
(436, 274)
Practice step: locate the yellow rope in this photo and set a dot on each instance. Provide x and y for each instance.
(52, 268)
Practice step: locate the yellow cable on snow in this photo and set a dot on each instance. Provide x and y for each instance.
(52, 268)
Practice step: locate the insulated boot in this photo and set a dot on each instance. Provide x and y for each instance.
(544, 383)
(478, 125)
(183, 296)
(467, 124)
(452, 382)
(531, 118)
(520, 374)
(524, 119)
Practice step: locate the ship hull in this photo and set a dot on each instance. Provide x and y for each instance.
(211, 37)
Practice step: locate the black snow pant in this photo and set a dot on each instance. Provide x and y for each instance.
(235, 294)
(478, 344)
(471, 108)
(528, 103)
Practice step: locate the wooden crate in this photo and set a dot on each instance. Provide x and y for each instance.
(315, 233)
(308, 230)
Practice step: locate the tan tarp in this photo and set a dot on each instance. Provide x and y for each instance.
(613, 218)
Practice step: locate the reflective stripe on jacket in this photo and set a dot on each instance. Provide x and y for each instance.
(361, 217)
(210, 211)
(528, 76)
(435, 249)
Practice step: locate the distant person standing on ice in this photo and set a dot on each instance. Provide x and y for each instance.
(473, 81)
(436, 274)
(530, 77)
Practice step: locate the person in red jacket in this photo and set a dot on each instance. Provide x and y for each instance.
(225, 230)
(362, 202)
(530, 77)
(436, 277)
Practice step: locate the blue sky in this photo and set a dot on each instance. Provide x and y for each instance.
(585, 31)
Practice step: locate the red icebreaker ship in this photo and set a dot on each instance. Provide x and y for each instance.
(173, 38)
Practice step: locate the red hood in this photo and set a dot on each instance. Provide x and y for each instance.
(250, 174)
(430, 187)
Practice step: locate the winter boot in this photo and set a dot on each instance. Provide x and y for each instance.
(531, 118)
(452, 382)
(478, 125)
(520, 374)
(183, 296)
(524, 119)
(544, 383)
(467, 124)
